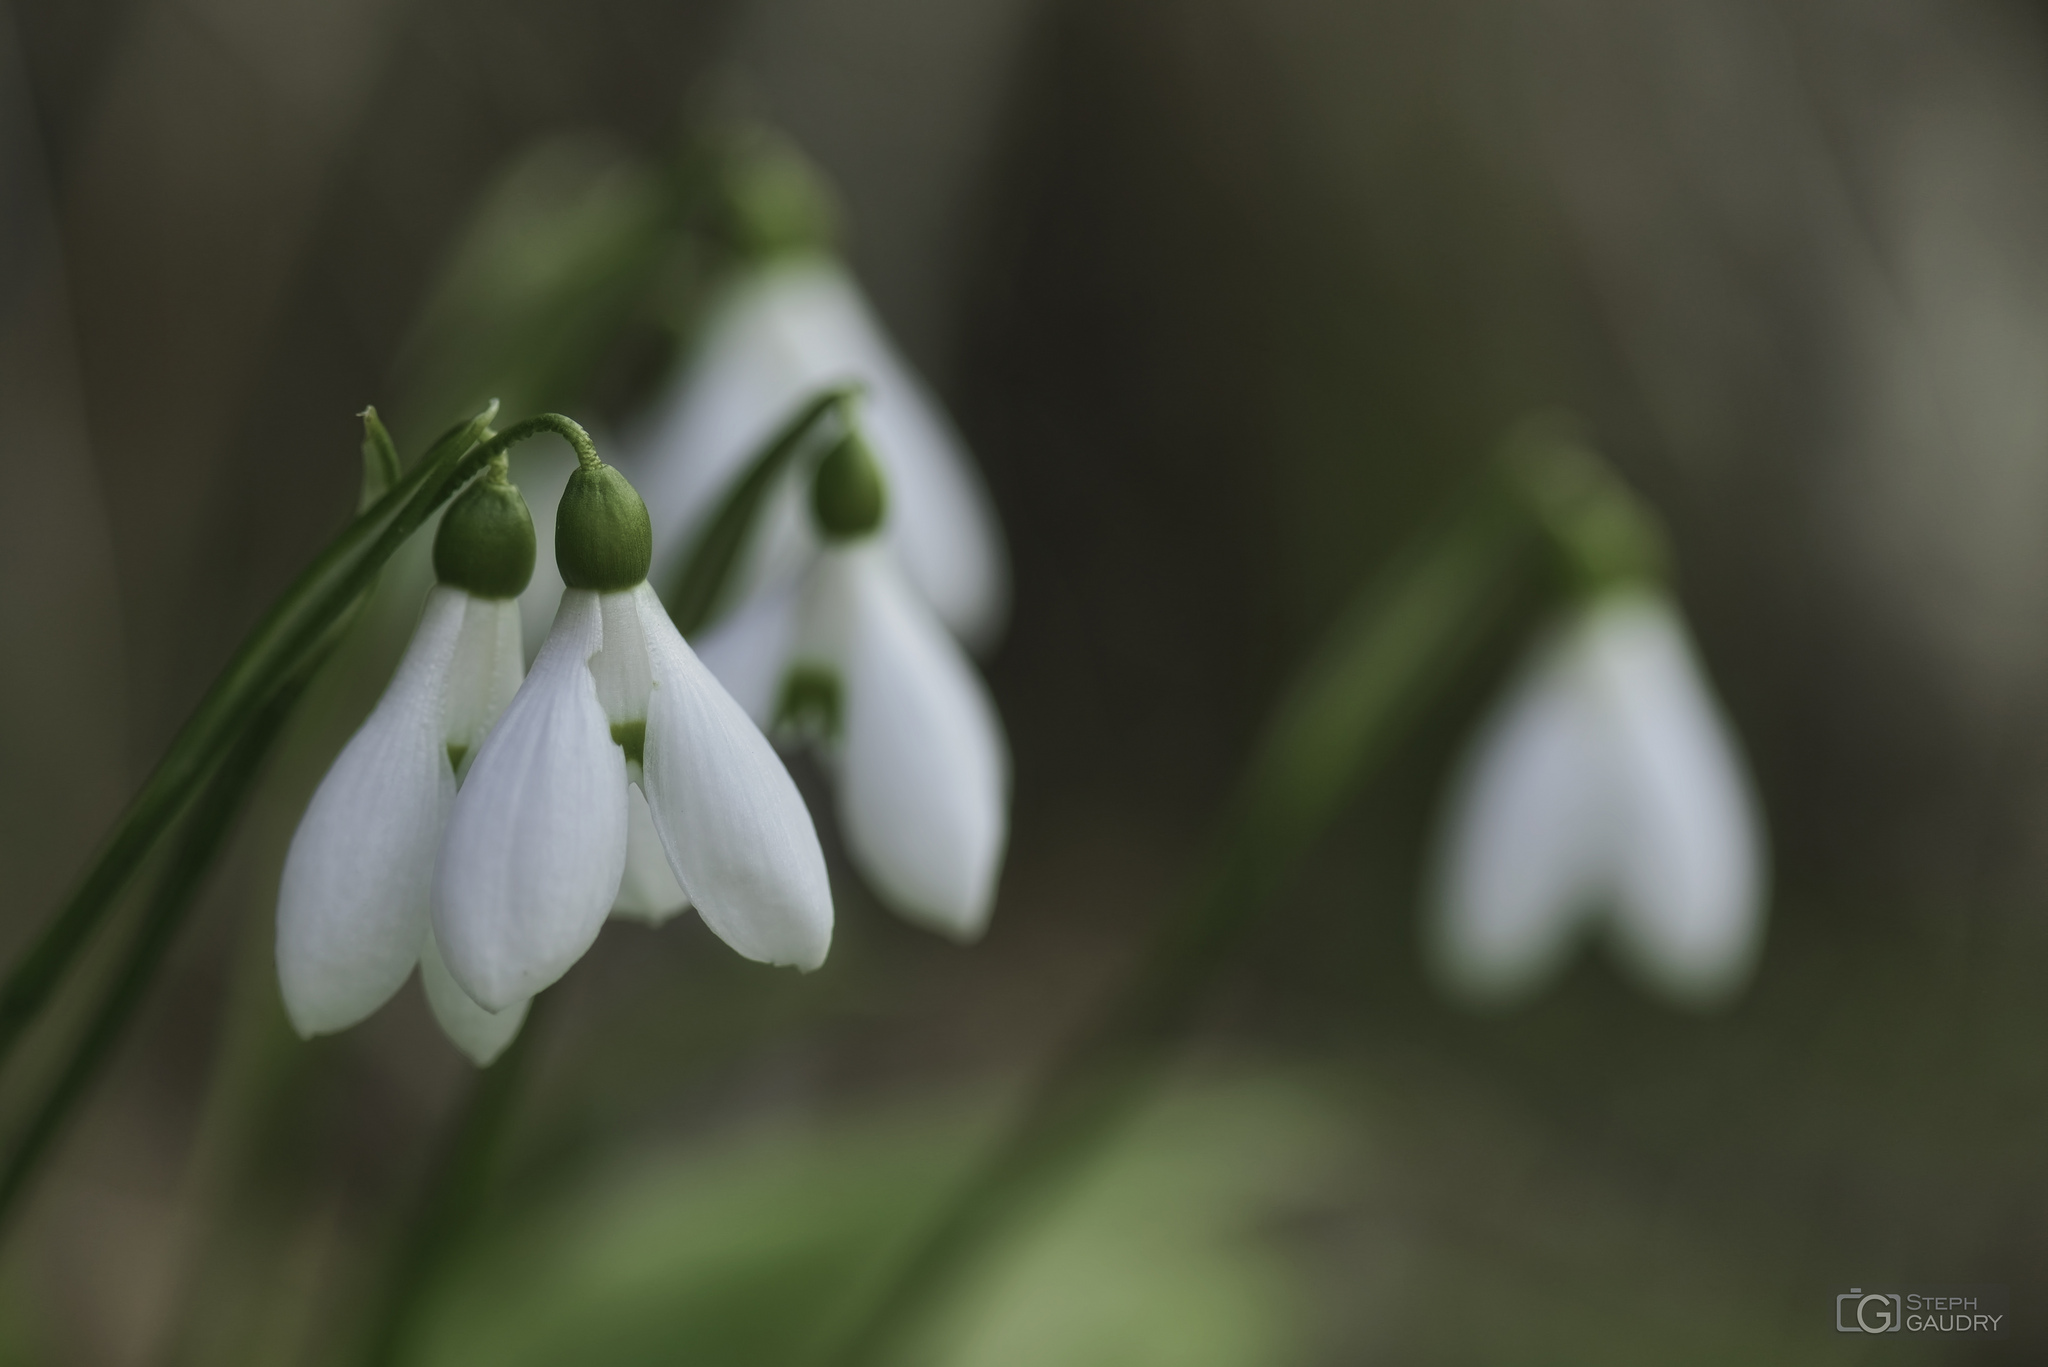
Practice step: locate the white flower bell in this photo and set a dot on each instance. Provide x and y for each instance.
(352, 914)
(649, 892)
(536, 845)
(1604, 790)
(784, 330)
(850, 654)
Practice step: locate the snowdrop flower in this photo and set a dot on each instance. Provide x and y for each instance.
(536, 844)
(785, 329)
(852, 657)
(352, 911)
(1604, 790)
(649, 892)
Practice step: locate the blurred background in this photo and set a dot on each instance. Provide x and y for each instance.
(1230, 299)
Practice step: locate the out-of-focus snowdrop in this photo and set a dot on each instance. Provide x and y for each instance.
(1605, 790)
(536, 849)
(352, 916)
(789, 321)
(849, 656)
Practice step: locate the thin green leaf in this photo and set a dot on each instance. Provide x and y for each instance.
(696, 593)
(211, 818)
(271, 653)
(381, 467)
(1385, 658)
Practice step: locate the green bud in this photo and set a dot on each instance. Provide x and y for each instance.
(1602, 534)
(603, 539)
(485, 544)
(848, 496)
(777, 201)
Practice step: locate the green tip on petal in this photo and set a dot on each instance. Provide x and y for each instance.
(485, 545)
(848, 496)
(603, 538)
(811, 703)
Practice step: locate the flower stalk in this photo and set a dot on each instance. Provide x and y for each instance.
(1545, 506)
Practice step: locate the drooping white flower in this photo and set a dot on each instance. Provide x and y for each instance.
(784, 330)
(912, 739)
(536, 845)
(352, 908)
(1604, 791)
(649, 892)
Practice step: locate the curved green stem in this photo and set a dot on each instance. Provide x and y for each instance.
(568, 429)
(1379, 667)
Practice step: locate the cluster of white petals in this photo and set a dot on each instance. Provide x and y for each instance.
(1605, 791)
(782, 332)
(917, 752)
(536, 846)
(482, 826)
(920, 764)
(354, 906)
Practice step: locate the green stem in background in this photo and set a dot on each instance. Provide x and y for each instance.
(1381, 665)
(456, 1191)
(693, 595)
(211, 818)
(277, 645)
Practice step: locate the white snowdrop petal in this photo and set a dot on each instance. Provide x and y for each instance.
(649, 892)
(942, 522)
(924, 768)
(481, 1035)
(621, 669)
(541, 469)
(782, 334)
(352, 906)
(536, 842)
(1688, 875)
(749, 650)
(486, 671)
(749, 371)
(731, 820)
(1523, 860)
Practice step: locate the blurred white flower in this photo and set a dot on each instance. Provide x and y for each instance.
(1605, 790)
(784, 330)
(910, 735)
(352, 915)
(536, 847)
